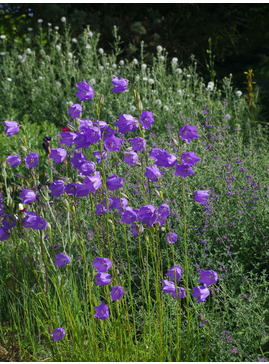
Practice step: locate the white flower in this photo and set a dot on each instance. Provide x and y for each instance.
(145, 78)
(54, 98)
(137, 77)
(90, 34)
(56, 28)
(151, 81)
(188, 76)
(121, 62)
(101, 51)
(22, 58)
(28, 51)
(132, 108)
(30, 29)
(3, 36)
(58, 84)
(101, 68)
(49, 24)
(166, 108)
(174, 60)
(158, 102)
(69, 55)
(2, 53)
(40, 21)
(178, 70)
(227, 116)
(154, 91)
(16, 40)
(114, 66)
(63, 19)
(9, 79)
(69, 103)
(135, 61)
(74, 40)
(58, 47)
(159, 48)
(179, 92)
(161, 58)
(238, 93)
(92, 81)
(178, 103)
(88, 46)
(143, 66)
(27, 39)
(210, 86)
(40, 78)
(19, 57)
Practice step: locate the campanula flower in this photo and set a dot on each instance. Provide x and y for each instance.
(138, 144)
(120, 84)
(126, 123)
(85, 91)
(97, 155)
(71, 189)
(171, 238)
(93, 183)
(78, 159)
(147, 215)
(175, 271)
(4, 233)
(153, 173)
(58, 334)
(113, 143)
(189, 158)
(136, 229)
(81, 140)
(68, 138)
(57, 188)
(93, 134)
(188, 133)
(102, 279)
(61, 259)
(129, 216)
(183, 170)
(164, 210)
(116, 293)
(130, 157)
(58, 155)
(75, 111)
(27, 196)
(114, 182)
(102, 264)
(208, 277)
(82, 190)
(87, 168)
(168, 286)
(201, 293)
(102, 311)
(11, 127)
(13, 160)
(31, 160)
(163, 158)
(119, 204)
(201, 196)
(146, 119)
(32, 220)
(9, 221)
(100, 209)
(179, 293)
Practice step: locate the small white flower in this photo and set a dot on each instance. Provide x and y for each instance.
(58, 47)
(179, 92)
(159, 48)
(63, 19)
(54, 98)
(27, 39)
(135, 61)
(69, 103)
(137, 77)
(3, 36)
(9, 79)
(158, 102)
(90, 34)
(2, 53)
(58, 84)
(238, 93)
(107, 64)
(178, 70)
(210, 86)
(22, 58)
(92, 81)
(40, 21)
(174, 60)
(49, 24)
(101, 68)
(166, 108)
(56, 28)
(188, 76)
(154, 91)
(151, 81)
(74, 40)
(15, 40)
(145, 79)
(69, 55)
(40, 78)
(132, 108)
(227, 116)
(178, 103)
(121, 62)
(28, 51)
(143, 66)
(161, 58)
(88, 46)
(19, 57)
(30, 29)
(114, 66)
(101, 51)
(21, 207)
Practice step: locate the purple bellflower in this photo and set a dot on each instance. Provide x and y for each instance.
(147, 215)
(164, 210)
(168, 286)
(4, 233)
(32, 220)
(85, 91)
(114, 182)
(71, 189)
(208, 277)
(129, 216)
(153, 173)
(97, 155)
(179, 293)
(201, 293)
(58, 155)
(9, 221)
(130, 158)
(13, 160)
(146, 119)
(136, 229)
(183, 170)
(62, 259)
(188, 133)
(189, 158)
(102, 264)
(163, 158)
(201, 196)
(58, 334)
(116, 293)
(102, 311)
(93, 183)
(175, 271)
(126, 123)
(57, 188)
(171, 238)
(78, 159)
(87, 169)
(27, 196)
(68, 138)
(112, 143)
(31, 160)
(75, 111)
(120, 84)
(138, 144)
(11, 127)
(102, 279)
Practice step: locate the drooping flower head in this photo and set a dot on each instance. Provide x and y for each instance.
(114, 182)
(75, 111)
(164, 210)
(58, 155)
(11, 127)
(13, 160)
(85, 91)
(87, 168)
(153, 173)
(78, 159)
(146, 119)
(189, 158)
(183, 170)
(188, 133)
(201, 196)
(163, 158)
(138, 144)
(130, 157)
(27, 196)
(201, 293)
(32, 220)
(116, 293)
(62, 259)
(102, 264)
(208, 277)
(168, 286)
(58, 334)
(31, 160)
(93, 183)
(57, 188)
(102, 279)
(71, 189)
(120, 84)
(175, 271)
(171, 238)
(179, 293)
(126, 123)
(102, 311)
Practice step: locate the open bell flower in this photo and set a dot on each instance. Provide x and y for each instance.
(62, 259)
(27, 196)
(58, 334)
(208, 277)
(188, 133)
(11, 127)
(102, 311)
(13, 160)
(201, 293)
(102, 264)
(120, 84)
(116, 293)
(85, 91)
(201, 196)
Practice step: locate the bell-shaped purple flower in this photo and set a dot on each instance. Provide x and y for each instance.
(85, 91)
(183, 170)
(168, 286)
(153, 173)
(175, 272)
(93, 134)
(171, 238)
(57, 188)
(75, 111)
(188, 133)
(100, 209)
(126, 123)
(119, 204)
(201, 293)
(27, 196)
(147, 215)
(93, 183)
(102, 279)
(87, 168)
(33, 221)
(164, 210)
(189, 158)
(137, 229)
(179, 293)
(58, 334)
(13, 160)
(31, 160)
(78, 159)
(163, 158)
(120, 84)
(113, 143)
(102, 264)
(11, 127)
(201, 196)
(114, 182)
(9, 221)
(102, 311)
(129, 216)
(82, 190)
(146, 119)
(71, 189)
(58, 155)
(81, 140)
(68, 138)
(130, 158)
(97, 155)
(116, 293)
(208, 277)
(138, 144)
(61, 259)
(4, 233)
